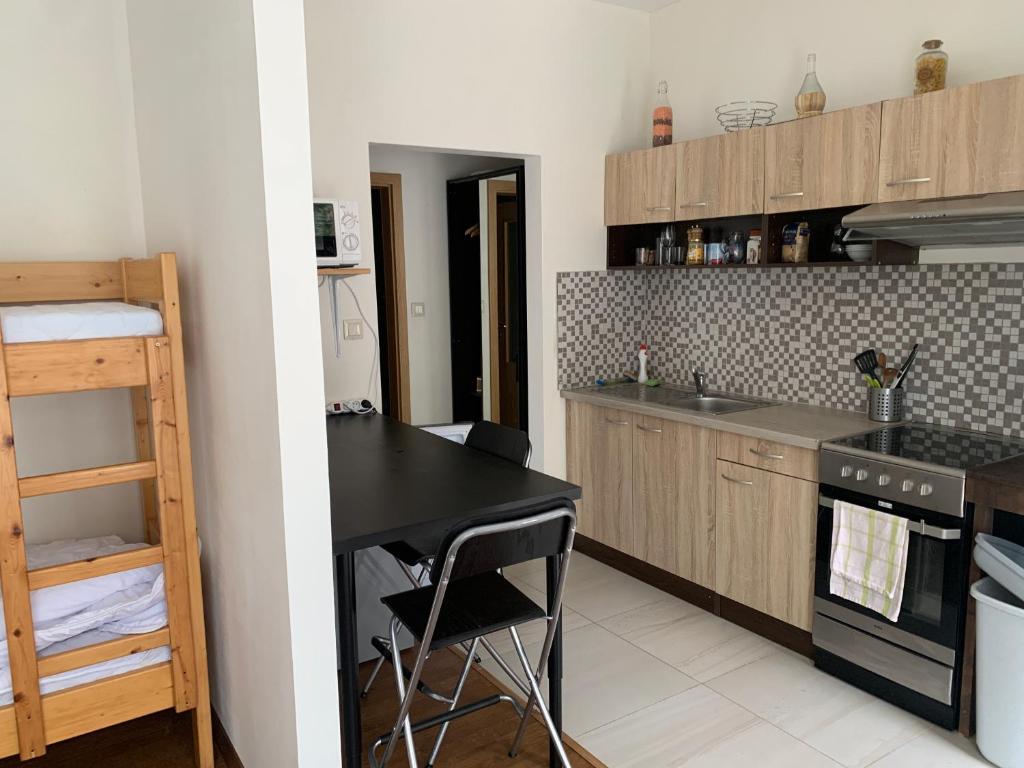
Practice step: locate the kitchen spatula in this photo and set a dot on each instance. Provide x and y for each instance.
(866, 363)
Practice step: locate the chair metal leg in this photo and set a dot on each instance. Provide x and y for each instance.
(504, 665)
(373, 676)
(536, 699)
(403, 722)
(432, 760)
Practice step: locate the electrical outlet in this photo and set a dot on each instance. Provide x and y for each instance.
(419, 309)
(353, 329)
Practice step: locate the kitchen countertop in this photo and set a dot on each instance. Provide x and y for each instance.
(803, 426)
(1000, 485)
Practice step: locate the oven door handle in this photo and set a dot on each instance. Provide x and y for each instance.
(921, 527)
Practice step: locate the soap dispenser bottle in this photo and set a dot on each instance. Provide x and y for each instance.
(642, 377)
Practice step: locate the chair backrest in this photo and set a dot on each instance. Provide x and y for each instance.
(501, 441)
(517, 537)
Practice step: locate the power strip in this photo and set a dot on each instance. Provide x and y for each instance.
(351, 406)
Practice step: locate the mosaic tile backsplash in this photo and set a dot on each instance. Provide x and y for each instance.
(791, 334)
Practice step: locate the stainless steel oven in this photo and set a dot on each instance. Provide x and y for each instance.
(915, 660)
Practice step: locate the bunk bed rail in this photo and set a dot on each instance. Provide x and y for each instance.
(140, 280)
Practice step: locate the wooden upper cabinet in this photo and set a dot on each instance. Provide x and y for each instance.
(960, 141)
(984, 147)
(673, 498)
(639, 187)
(720, 175)
(910, 158)
(823, 162)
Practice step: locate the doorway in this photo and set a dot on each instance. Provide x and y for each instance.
(487, 286)
(502, 278)
(389, 273)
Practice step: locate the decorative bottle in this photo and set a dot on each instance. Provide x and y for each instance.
(810, 100)
(662, 117)
(642, 377)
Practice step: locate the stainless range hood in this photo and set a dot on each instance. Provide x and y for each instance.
(980, 219)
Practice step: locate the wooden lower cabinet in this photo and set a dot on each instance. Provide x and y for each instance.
(599, 458)
(764, 533)
(673, 498)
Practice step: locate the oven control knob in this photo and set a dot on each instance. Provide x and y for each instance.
(862, 475)
(907, 486)
(845, 471)
(925, 489)
(884, 480)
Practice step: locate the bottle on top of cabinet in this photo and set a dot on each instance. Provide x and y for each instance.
(662, 134)
(810, 100)
(642, 377)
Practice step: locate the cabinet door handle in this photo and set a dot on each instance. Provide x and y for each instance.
(738, 482)
(919, 180)
(652, 209)
(703, 204)
(649, 429)
(618, 423)
(787, 194)
(766, 455)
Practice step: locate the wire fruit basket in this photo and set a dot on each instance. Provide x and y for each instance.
(740, 115)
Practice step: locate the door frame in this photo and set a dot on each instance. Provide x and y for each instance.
(519, 171)
(395, 296)
(495, 187)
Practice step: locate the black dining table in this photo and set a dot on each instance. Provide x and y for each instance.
(390, 482)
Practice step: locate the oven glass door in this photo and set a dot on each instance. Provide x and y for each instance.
(934, 593)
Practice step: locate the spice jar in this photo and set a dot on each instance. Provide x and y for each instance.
(713, 251)
(695, 245)
(931, 68)
(754, 247)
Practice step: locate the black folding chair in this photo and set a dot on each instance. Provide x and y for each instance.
(487, 437)
(469, 598)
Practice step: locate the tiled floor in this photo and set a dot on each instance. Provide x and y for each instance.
(653, 681)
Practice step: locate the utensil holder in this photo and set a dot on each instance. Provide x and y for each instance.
(886, 404)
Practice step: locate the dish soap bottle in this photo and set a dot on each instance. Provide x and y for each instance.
(810, 100)
(662, 117)
(642, 377)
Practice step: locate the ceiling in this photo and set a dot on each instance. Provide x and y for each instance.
(642, 5)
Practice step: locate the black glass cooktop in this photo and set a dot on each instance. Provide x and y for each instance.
(941, 446)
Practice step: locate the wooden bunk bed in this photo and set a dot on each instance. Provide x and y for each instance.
(152, 367)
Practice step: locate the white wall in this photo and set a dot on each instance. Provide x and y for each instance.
(561, 82)
(224, 156)
(69, 189)
(713, 53)
(425, 212)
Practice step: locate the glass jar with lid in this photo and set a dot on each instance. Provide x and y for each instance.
(695, 245)
(930, 69)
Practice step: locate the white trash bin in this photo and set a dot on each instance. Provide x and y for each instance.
(1000, 674)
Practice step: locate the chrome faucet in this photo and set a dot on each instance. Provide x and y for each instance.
(700, 380)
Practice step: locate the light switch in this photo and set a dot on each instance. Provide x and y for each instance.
(353, 329)
(419, 309)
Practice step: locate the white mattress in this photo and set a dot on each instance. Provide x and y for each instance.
(87, 320)
(90, 611)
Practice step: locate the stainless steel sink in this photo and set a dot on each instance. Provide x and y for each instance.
(678, 397)
(718, 406)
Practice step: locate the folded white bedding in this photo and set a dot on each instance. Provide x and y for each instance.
(88, 674)
(125, 603)
(86, 320)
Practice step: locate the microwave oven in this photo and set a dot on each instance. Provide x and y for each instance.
(336, 229)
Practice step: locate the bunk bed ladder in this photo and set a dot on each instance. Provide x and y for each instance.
(153, 369)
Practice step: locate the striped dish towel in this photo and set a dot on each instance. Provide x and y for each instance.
(869, 558)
